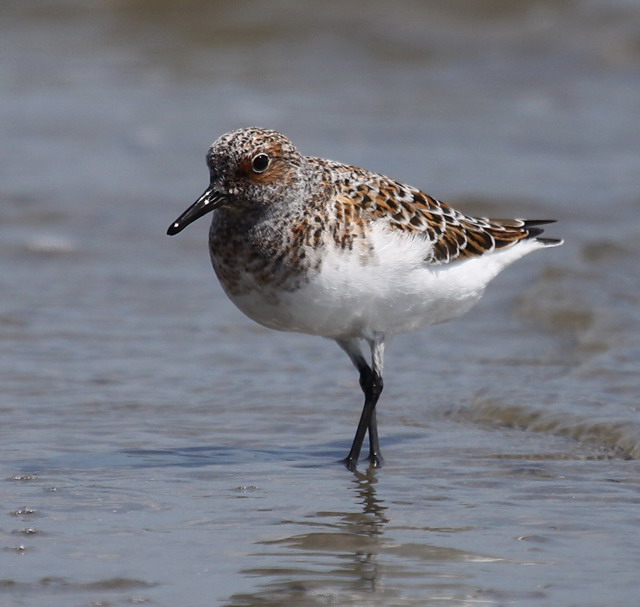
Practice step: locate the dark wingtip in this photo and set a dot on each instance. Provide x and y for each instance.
(534, 232)
(538, 222)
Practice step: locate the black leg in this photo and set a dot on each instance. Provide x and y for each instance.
(372, 385)
(375, 457)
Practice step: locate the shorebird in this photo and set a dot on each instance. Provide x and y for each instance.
(311, 245)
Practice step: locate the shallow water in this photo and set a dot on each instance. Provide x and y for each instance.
(158, 448)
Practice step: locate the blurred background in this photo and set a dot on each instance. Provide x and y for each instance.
(149, 428)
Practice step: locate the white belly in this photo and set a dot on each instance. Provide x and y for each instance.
(392, 292)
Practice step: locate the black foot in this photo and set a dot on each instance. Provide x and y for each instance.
(350, 464)
(375, 461)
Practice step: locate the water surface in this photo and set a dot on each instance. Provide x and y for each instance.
(158, 448)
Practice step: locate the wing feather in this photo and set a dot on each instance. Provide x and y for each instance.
(452, 234)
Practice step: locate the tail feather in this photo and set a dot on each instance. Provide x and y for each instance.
(530, 226)
(550, 242)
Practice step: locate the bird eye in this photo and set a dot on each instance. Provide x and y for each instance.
(260, 163)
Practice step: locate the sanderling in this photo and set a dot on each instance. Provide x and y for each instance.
(311, 245)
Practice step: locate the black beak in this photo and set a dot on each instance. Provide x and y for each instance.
(209, 201)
